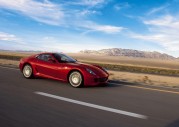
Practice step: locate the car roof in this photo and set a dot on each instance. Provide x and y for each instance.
(49, 53)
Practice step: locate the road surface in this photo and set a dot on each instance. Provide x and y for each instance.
(49, 103)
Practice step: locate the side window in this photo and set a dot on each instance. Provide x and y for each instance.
(44, 57)
(64, 58)
(61, 58)
(40, 57)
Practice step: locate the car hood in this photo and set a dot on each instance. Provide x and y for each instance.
(97, 70)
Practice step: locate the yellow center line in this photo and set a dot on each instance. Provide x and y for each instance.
(159, 90)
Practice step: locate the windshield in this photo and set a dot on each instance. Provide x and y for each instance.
(62, 58)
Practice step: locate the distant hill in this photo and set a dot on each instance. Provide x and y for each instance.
(128, 53)
(20, 51)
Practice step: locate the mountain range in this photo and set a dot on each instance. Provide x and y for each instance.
(128, 53)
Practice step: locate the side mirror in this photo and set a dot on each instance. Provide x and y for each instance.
(51, 60)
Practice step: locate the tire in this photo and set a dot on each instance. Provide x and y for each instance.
(76, 79)
(27, 71)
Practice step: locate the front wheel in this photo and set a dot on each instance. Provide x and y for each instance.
(27, 71)
(76, 79)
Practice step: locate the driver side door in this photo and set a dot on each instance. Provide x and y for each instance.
(46, 66)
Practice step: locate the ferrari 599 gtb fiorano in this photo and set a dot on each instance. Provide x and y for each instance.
(62, 67)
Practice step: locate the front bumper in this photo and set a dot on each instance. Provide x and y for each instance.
(95, 80)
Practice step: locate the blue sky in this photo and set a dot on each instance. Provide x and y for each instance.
(74, 25)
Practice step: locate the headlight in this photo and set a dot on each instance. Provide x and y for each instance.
(90, 71)
(104, 69)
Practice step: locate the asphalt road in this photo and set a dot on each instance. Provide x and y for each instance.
(22, 105)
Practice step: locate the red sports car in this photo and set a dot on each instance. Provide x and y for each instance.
(62, 67)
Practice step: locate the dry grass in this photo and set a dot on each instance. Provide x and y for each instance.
(146, 79)
(15, 53)
(129, 61)
(9, 62)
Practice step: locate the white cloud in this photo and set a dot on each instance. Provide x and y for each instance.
(107, 28)
(90, 3)
(54, 14)
(93, 2)
(65, 44)
(157, 9)
(7, 37)
(45, 12)
(164, 31)
(87, 12)
(168, 21)
(91, 27)
(121, 6)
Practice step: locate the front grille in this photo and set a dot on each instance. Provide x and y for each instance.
(100, 79)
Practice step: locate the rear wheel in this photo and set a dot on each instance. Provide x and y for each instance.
(27, 71)
(76, 79)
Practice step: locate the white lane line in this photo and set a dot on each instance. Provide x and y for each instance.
(93, 105)
(9, 68)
